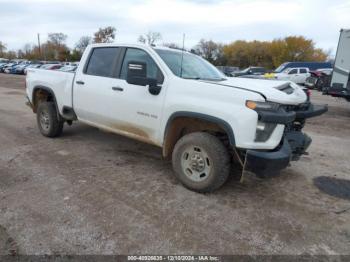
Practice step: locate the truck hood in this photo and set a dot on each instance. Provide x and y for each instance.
(283, 92)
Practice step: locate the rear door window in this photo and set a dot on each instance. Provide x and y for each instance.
(102, 61)
(303, 71)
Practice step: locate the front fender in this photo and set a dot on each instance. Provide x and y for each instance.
(212, 119)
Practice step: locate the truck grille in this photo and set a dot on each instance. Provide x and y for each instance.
(289, 108)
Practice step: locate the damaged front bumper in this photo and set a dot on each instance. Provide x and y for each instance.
(293, 144)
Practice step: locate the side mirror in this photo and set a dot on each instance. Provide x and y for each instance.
(137, 75)
(153, 86)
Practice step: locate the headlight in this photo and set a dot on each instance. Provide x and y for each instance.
(270, 106)
(263, 130)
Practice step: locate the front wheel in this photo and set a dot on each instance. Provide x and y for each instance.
(319, 84)
(48, 120)
(201, 162)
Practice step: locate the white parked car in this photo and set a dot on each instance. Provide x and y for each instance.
(176, 100)
(297, 75)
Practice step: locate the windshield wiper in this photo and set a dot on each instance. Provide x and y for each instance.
(192, 78)
(207, 79)
(214, 79)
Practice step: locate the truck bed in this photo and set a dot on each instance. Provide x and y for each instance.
(59, 82)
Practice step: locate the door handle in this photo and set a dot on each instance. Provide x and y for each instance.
(117, 88)
(80, 82)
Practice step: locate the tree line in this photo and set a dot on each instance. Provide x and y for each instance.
(269, 54)
(240, 53)
(56, 49)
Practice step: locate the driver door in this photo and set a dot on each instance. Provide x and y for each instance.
(293, 75)
(138, 111)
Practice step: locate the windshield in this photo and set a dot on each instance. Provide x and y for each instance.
(286, 71)
(280, 68)
(193, 66)
(68, 68)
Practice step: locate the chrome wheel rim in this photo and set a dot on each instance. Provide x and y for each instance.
(44, 120)
(195, 163)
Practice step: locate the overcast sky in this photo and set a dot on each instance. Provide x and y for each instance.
(219, 20)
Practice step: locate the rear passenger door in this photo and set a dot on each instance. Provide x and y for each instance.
(93, 86)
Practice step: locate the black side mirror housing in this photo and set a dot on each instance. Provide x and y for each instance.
(137, 75)
(153, 86)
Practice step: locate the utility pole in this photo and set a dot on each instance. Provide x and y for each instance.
(39, 45)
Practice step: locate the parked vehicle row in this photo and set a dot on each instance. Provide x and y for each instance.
(250, 72)
(20, 67)
(298, 72)
(312, 66)
(228, 70)
(297, 75)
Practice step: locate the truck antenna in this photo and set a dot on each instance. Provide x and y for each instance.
(182, 53)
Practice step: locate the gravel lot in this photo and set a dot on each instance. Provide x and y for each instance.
(91, 192)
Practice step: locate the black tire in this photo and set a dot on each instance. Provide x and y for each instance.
(216, 156)
(319, 84)
(48, 120)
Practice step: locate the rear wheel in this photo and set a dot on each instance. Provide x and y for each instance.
(201, 162)
(48, 120)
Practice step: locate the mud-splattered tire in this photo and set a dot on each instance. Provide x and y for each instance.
(201, 162)
(47, 118)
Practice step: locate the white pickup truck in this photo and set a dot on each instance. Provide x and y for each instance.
(176, 100)
(297, 75)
